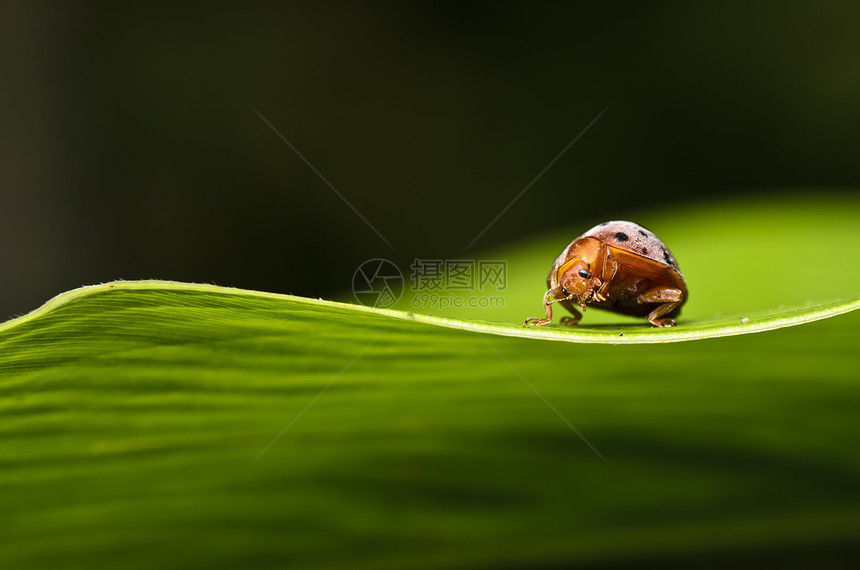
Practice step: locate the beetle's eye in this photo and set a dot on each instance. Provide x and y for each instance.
(565, 292)
(584, 274)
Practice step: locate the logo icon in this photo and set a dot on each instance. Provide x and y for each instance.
(377, 283)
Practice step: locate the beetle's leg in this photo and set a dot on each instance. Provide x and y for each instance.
(669, 296)
(577, 316)
(611, 265)
(547, 302)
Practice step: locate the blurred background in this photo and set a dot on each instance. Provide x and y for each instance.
(131, 145)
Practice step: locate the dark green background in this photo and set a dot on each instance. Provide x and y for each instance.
(130, 148)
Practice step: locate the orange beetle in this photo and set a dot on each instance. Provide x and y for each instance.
(620, 267)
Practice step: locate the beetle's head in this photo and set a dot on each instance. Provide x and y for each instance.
(576, 282)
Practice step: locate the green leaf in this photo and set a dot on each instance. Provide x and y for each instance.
(153, 424)
(327, 311)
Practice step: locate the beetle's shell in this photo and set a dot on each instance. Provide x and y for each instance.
(635, 239)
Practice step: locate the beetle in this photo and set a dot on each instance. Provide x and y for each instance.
(617, 266)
